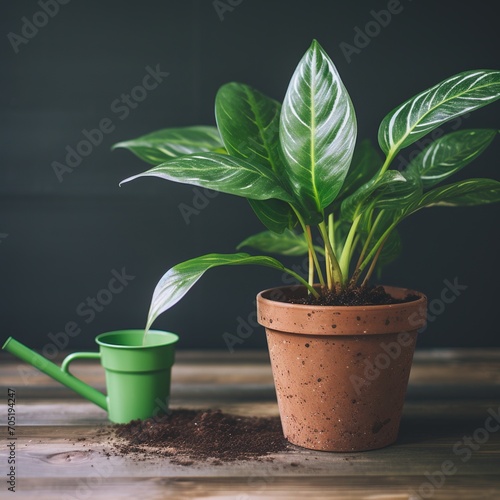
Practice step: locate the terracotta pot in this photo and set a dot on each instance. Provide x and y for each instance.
(340, 372)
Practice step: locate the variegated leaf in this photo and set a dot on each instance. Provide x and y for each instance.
(428, 110)
(387, 183)
(287, 243)
(179, 279)
(317, 130)
(248, 122)
(162, 145)
(222, 173)
(449, 154)
(469, 192)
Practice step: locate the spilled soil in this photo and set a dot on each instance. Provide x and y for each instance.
(190, 436)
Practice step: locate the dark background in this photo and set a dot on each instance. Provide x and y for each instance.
(60, 241)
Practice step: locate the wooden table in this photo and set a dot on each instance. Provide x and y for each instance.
(451, 395)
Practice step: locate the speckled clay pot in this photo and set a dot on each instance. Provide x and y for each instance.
(340, 372)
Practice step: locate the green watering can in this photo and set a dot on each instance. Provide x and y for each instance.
(137, 375)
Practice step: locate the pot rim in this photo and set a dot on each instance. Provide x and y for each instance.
(342, 320)
(420, 301)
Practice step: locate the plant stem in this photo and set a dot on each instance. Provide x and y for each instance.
(367, 242)
(328, 267)
(310, 265)
(301, 280)
(377, 245)
(387, 162)
(331, 230)
(337, 273)
(372, 265)
(314, 256)
(346, 251)
(307, 233)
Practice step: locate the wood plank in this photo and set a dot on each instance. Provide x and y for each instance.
(266, 487)
(424, 444)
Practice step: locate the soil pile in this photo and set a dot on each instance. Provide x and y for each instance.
(198, 435)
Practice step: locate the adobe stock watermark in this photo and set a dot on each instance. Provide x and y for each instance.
(86, 310)
(363, 36)
(390, 351)
(120, 107)
(223, 6)
(464, 449)
(30, 27)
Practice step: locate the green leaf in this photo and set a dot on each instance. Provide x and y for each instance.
(449, 154)
(366, 162)
(276, 215)
(375, 188)
(469, 192)
(398, 195)
(222, 173)
(428, 110)
(180, 278)
(169, 143)
(248, 122)
(287, 243)
(317, 130)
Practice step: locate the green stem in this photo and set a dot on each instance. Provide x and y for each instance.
(377, 245)
(331, 230)
(310, 263)
(301, 280)
(337, 273)
(368, 240)
(310, 246)
(387, 162)
(314, 256)
(346, 251)
(373, 264)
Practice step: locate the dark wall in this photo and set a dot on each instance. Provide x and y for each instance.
(63, 238)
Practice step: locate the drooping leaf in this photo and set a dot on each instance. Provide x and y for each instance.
(428, 110)
(317, 130)
(469, 192)
(162, 145)
(222, 173)
(365, 163)
(180, 278)
(287, 243)
(449, 154)
(248, 123)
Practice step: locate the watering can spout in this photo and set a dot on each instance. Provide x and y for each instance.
(61, 374)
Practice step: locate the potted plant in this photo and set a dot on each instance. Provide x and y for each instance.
(340, 349)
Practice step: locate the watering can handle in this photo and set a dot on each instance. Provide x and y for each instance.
(78, 355)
